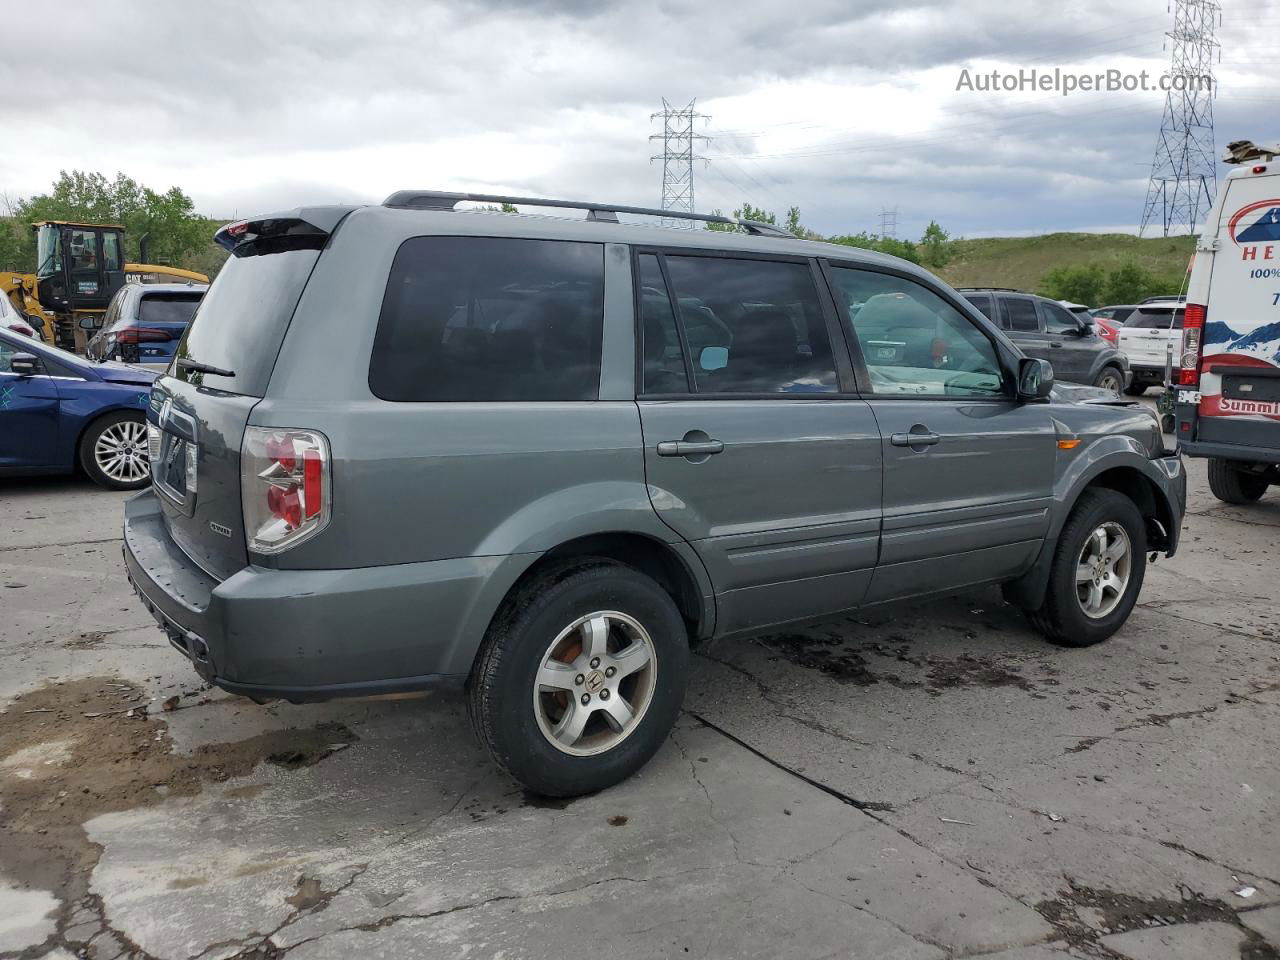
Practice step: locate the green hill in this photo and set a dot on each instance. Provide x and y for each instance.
(1022, 262)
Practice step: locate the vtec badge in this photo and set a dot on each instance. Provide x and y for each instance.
(220, 529)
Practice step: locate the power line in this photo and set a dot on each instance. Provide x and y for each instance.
(677, 158)
(1183, 175)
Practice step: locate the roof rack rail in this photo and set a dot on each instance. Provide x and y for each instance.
(996, 289)
(602, 212)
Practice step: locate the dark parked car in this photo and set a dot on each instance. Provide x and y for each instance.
(403, 447)
(1047, 330)
(60, 412)
(144, 323)
(1116, 313)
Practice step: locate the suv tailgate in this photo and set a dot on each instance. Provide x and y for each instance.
(220, 371)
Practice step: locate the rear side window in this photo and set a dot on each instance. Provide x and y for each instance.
(1020, 315)
(167, 307)
(751, 326)
(242, 319)
(490, 319)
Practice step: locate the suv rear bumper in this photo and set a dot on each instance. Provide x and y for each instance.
(310, 634)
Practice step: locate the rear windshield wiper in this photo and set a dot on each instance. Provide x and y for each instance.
(198, 367)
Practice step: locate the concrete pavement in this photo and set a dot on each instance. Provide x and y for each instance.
(916, 781)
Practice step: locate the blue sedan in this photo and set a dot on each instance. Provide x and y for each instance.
(59, 412)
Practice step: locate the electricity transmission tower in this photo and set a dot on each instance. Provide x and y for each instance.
(889, 223)
(678, 138)
(1183, 175)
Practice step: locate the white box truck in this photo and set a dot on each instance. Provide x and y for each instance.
(1228, 373)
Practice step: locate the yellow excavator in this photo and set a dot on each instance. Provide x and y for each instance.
(79, 268)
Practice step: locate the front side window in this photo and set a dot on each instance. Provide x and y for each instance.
(913, 342)
(752, 326)
(1058, 319)
(1020, 315)
(490, 319)
(6, 354)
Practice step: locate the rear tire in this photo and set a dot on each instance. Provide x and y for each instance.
(113, 451)
(1065, 616)
(1135, 389)
(1230, 484)
(550, 647)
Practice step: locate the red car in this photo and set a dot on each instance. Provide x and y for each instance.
(1107, 330)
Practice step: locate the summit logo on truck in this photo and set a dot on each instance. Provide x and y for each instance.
(1255, 229)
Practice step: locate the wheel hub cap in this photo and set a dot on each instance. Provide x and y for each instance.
(1102, 572)
(595, 682)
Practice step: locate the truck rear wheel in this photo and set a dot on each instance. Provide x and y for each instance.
(1230, 484)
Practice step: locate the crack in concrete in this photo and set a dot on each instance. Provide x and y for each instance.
(1152, 607)
(391, 919)
(69, 543)
(866, 806)
(785, 712)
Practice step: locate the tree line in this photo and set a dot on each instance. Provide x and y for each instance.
(933, 249)
(177, 235)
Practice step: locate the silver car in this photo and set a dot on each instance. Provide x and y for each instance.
(403, 446)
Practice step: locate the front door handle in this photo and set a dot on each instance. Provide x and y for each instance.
(689, 448)
(918, 437)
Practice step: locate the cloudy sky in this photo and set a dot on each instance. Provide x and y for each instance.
(843, 107)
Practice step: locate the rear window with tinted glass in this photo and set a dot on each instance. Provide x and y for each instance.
(167, 307)
(242, 319)
(490, 319)
(1145, 319)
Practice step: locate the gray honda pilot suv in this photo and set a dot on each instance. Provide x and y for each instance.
(403, 446)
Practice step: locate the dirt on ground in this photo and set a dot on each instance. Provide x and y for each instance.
(70, 751)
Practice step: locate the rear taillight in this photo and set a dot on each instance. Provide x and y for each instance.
(284, 485)
(1192, 341)
(142, 335)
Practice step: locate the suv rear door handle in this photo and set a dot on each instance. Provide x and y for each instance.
(925, 438)
(689, 448)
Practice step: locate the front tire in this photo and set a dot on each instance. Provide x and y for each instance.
(113, 451)
(580, 678)
(1097, 571)
(1230, 484)
(1110, 379)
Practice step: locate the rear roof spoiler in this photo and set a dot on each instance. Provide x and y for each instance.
(299, 221)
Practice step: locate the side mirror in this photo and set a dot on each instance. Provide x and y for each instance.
(87, 322)
(24, 364)
(713, 358)
(1035, 379)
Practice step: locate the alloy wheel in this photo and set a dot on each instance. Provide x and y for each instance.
(595, 682)
(1103, 569)
(121, 451)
